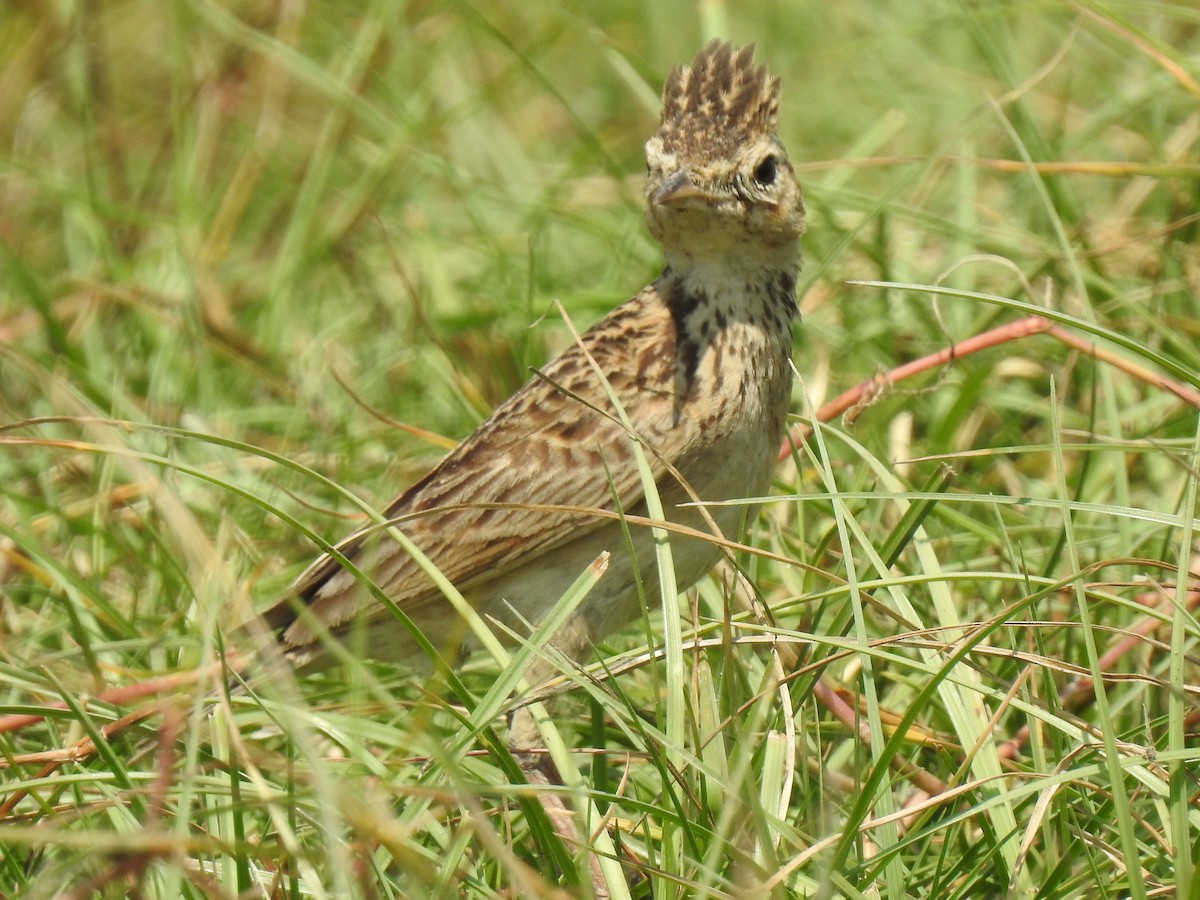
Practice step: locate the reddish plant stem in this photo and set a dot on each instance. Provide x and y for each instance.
(865, 393)
(1081, 692)
(119, 696)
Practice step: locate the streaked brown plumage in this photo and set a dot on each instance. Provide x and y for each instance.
(700, 361)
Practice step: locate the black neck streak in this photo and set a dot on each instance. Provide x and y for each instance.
(682, 303)
(782, 291)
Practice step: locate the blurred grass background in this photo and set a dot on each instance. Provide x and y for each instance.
(240, 240)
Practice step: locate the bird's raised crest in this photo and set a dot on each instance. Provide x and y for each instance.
(718, 102)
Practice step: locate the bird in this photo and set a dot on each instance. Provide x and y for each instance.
(695, 370)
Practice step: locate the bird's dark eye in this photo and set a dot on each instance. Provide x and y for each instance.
(766, 170)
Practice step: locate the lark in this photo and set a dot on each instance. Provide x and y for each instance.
(695, 368)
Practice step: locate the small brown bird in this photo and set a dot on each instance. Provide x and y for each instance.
(699, 362)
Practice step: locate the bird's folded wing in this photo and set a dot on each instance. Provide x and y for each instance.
(518, 486)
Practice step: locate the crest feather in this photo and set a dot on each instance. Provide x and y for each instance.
(718, 103)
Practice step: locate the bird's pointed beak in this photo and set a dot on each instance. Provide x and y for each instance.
(678, 189)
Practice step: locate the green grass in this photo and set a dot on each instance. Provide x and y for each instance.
(235, 242)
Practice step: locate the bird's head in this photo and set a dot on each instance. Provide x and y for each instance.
(718, 179)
